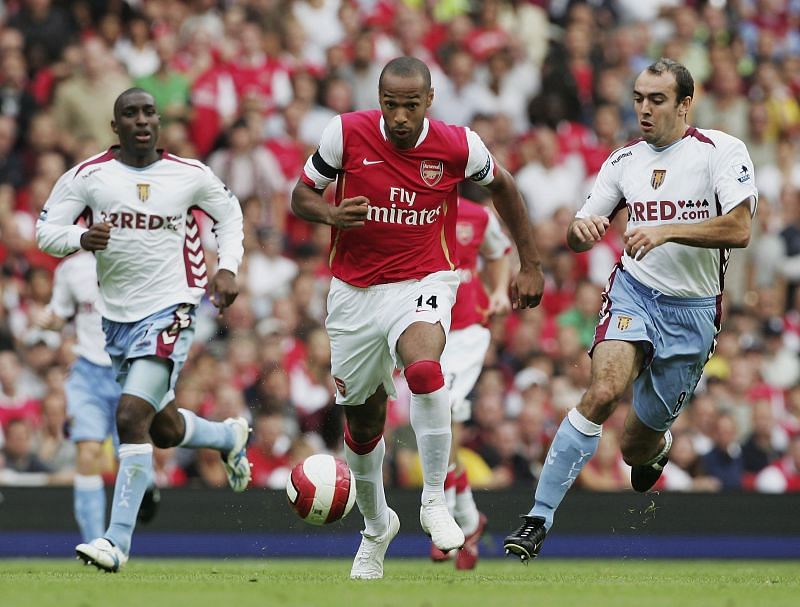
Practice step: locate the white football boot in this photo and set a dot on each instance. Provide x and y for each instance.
(442, 528)
(102, 554)
(368, 564)
(236, 465)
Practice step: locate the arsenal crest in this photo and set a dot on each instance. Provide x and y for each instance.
(431, 171)
(658, 178)
(464, 233)
(143, 190)
(623, 322)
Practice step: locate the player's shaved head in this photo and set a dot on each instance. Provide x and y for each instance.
(407, 67)
(119, 103)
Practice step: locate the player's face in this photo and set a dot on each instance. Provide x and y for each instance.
(662, 120)
(136, 123)
(404, 101)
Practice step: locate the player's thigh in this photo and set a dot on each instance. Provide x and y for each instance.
(92, 396)
(462, 361)
(165, 336)
(667, 384)
(615, 365)
(360, 358)
(427, 301)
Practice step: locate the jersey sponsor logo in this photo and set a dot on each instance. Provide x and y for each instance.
(369, 162)
(658, 178)
(340, 386)
(143, 191)
(431, 171)
(621, 156)
(409, 217)
(742, 173)
(141, 221)
(623, 322)
(402, 195)
(667, 210)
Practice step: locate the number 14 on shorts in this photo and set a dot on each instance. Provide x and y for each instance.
(426, 304)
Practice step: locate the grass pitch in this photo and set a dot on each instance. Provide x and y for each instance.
(408, 583)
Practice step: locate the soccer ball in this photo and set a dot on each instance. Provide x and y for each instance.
(321, 489)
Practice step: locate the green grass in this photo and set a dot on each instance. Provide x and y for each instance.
(408, 583)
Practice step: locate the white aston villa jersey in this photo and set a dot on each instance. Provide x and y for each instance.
(154, 258)
(74, 295)
(703, 175)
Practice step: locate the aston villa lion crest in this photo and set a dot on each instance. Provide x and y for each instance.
(623, 322)
(431, 171)
(658, 178)
(143, 190)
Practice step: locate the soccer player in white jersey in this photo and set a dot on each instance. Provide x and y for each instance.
(690, 196)
(92, 391)
(151, 273)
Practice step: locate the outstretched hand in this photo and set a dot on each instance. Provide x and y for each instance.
(527, 288)
(223, 289)
(96, 237)
(350, 213)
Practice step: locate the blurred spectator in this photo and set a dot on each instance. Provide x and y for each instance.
(12, 169)
(783, 476)
(101, 81)
(15, 100)
(766, 442)
(268, 452)
(685, 472)
(563, 175)
(52, 447)
(725, 461)
(724, 107)
(47, 29)
(169, 87)
(606, 471)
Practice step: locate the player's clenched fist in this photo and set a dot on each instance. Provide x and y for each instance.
(589, 229)
(527, 288)
(96, 237)
(351, 213)
(224, 289)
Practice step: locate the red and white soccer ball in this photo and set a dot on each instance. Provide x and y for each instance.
(321, 489)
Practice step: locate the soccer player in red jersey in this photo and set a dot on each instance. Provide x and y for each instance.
(392, 259)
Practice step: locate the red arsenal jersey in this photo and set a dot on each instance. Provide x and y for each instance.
(411, 221)
(478, 233)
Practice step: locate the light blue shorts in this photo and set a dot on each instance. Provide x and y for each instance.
(92, 397)
(166, 334)
(679, 337)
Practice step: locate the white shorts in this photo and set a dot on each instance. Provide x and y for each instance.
(462, 361)
(364, 325)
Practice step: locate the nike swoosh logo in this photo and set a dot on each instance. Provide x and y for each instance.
(369, 162)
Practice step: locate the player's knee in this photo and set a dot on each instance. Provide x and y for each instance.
(424, 376)
(166, 435)
(600, 397)
(635, 453)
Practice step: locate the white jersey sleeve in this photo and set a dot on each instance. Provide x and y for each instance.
(495, 244)
(320, 168)
(733, 174)
(62, 301)
(223, 207)
(480, 164)
(606, 194)
(56, 232)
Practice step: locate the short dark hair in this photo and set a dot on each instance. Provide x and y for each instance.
(125, 93)
(407, 67)
(683, 79)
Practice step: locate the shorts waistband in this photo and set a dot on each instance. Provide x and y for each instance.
(385, 286)
(663, 298)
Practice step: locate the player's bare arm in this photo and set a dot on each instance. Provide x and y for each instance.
(498, 276)
(585, 231)
(224, 289)
(729, 231)
(527, 287)
(96, 237)
(308, 204)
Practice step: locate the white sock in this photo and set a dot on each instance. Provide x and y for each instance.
(370, 497)
(430, 418)
(466, 512)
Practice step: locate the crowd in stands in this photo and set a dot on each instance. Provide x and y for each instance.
(248, 85)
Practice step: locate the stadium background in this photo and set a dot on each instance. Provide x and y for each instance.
(247, 87)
